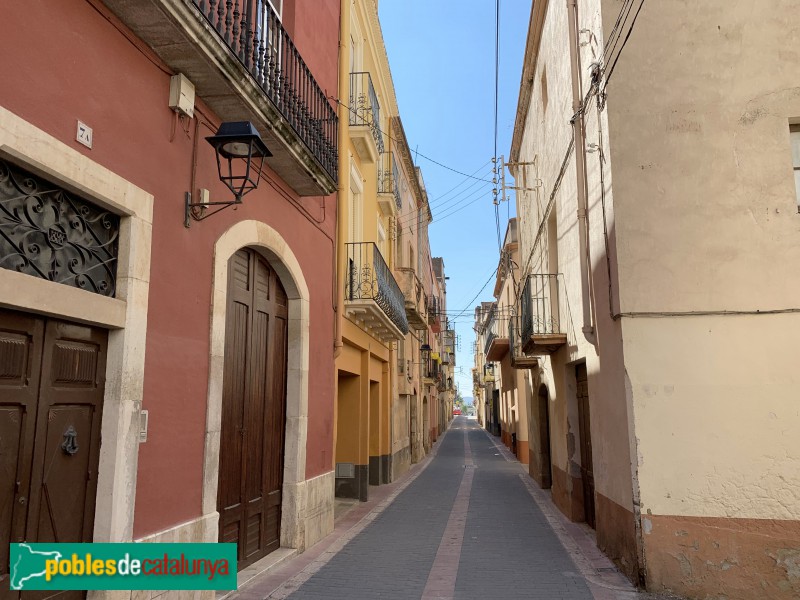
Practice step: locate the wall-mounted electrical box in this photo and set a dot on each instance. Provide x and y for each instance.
(144, 417)
(181, 95)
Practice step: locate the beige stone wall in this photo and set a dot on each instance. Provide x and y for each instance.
(547, 134)
(707, 221)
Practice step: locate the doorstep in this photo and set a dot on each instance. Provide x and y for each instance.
(261, 567)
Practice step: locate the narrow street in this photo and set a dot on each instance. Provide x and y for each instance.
(438, 533)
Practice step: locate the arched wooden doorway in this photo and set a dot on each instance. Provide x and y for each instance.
(426, 425)
(253, 408)
(413, 427)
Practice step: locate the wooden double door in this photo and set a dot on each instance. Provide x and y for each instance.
(253, 408)
(52, 379)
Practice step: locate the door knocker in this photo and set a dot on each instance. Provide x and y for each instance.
(70, 443)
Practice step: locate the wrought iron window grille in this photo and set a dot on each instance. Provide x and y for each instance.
(53, 234)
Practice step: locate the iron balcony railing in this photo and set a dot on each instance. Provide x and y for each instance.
(496, 326)
(433, 309)
(253, 32)
(488, 334)
(387, 177)
(369, 278)
(431, 369)
(364, 107)
(539, 312)
(449, 345)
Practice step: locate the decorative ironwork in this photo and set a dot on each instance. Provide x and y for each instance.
(364, 107)
(490, 332)
(433, 310)
(53, 234)
(254, 34)
(70, 443)
(369, 278)
(431, 369)
(388, 177)
(539, 306)
(496, 326)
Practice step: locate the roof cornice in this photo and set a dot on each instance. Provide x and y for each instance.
(401, 144)
(381, 56)
(531, 58)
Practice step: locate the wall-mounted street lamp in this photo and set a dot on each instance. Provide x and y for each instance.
(488, 372)
(240, 157)
(425, 350)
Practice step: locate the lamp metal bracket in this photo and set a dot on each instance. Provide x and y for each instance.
(197, 210)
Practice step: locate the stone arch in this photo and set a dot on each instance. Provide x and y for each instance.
(270, 244)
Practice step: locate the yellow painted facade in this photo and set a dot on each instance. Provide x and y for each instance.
(392, 400)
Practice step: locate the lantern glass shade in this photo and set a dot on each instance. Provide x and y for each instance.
(240, 156)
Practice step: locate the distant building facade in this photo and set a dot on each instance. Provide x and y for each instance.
(388, 334)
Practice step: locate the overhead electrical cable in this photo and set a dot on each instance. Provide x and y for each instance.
(453, 208)
(416, 152)
(496, 97)
(410, 214)
(469, 304)
(621, 48)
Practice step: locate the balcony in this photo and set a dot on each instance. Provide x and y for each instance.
(411, 287)
(540, 321)
(434, 316)
(496, 332)
(519, 360)
(245, 67)
(365, 118)
(388, 190)
(372, 297)
(431, 372)
(449, 347)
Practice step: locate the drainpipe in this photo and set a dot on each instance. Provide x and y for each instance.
(344, 172)
(580, 167)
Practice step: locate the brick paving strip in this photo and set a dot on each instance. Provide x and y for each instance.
(286, 579)
(605, 581)
(441, 582)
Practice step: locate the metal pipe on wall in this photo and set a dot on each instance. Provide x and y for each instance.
(344, 172)
(580, 167)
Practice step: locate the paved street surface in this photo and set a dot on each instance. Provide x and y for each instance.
(437, 533)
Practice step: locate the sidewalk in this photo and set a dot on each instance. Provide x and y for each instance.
(467, 522)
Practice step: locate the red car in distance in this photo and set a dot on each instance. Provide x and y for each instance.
(456, 411)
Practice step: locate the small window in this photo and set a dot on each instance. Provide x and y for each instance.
(794, 134)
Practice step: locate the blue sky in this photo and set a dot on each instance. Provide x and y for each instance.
(442, 58)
